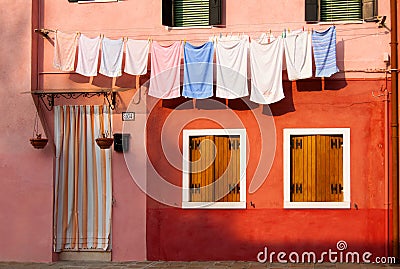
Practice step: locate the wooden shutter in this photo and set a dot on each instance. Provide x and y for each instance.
(167, 13)
(227, 168)
(222, 160)
(215, 169)
(335, 173)
(215, 12)
(344, 10)
(311, 11)
(202, 156)
(370, 10)
(329, 168)
(191, 13)
(317, 168)
(303, 162)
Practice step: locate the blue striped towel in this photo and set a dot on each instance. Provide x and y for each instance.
(324, 46)
(198, 70)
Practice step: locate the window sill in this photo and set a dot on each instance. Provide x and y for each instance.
(337, 22)
(316, 205)
(97, 1)
(169, 28)
(213, 205)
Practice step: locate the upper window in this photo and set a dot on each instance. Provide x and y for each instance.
(340, 10)
(214, 168)
(317, 168)
(191, 13)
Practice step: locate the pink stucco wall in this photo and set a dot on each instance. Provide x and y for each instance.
(141, 228)
(26, 174)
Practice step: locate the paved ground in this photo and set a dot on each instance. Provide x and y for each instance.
(183, 265)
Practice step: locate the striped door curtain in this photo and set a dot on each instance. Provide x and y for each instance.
(83, 189)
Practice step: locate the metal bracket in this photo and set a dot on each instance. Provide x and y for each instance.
(47, 97)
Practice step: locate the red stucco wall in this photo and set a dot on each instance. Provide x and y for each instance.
(181, 234)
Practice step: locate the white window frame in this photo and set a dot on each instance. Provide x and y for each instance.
(287, 133)
(186, 204)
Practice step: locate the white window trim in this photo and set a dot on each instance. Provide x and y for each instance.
(169, 28)
(186, 204)
(97, 1)
(346, 167)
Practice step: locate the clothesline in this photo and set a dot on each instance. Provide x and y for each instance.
(231, 56)
(226, 31)
(224, 28)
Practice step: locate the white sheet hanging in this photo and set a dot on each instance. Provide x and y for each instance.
(88, 56)
(65, 51)
(231, 60)
(137, 54)
(298, 54)
(112, 52)
(266, 71)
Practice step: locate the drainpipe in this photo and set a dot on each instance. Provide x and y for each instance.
(395, 129)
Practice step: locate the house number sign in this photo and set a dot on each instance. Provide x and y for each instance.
(128, 116)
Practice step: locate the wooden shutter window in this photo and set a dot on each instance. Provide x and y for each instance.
(316, 168)
(311, 11)
(215, 169)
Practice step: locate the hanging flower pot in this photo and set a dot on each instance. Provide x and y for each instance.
(39, 142)
(104, 142)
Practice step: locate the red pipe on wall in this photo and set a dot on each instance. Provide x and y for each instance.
(395, 130)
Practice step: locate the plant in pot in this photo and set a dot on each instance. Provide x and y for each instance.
(105, 142)
(37, 141)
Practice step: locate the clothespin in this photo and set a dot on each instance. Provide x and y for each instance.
(184, 41)
(303, 28)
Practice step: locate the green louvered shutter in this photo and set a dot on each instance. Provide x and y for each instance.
(191, 13)
(341, 10)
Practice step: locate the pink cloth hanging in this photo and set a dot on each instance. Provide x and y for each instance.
(165, 70)
(64, 51)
